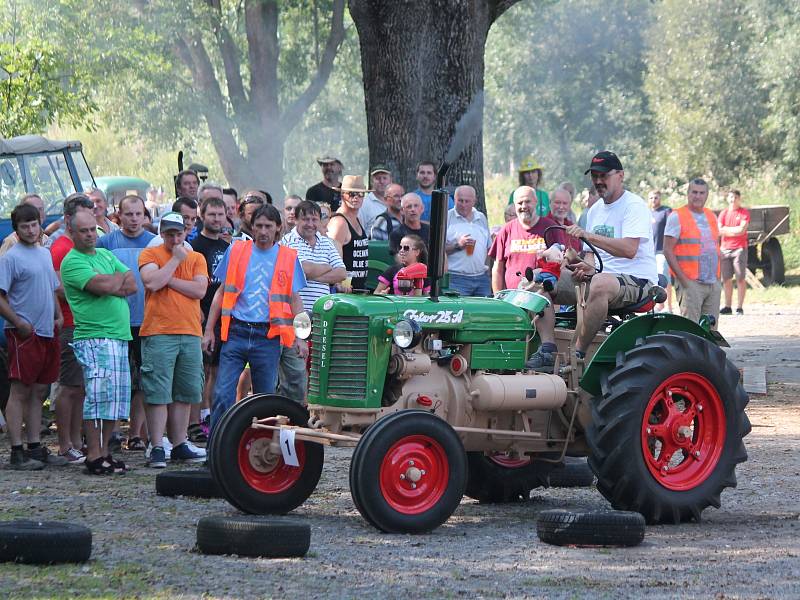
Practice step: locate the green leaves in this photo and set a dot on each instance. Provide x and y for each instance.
(38, 88)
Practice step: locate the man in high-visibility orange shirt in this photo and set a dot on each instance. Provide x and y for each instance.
(691, 247)
(256, 303)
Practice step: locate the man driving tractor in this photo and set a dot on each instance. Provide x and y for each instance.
(619, 227)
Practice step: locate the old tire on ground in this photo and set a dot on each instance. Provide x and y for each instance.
(253, 536)
(197, 483)
(590, 528)
(772, 262)
(410, 474)
(44, 542)
(666, 434)
(252, 478)
(575, 473)
(498, 478)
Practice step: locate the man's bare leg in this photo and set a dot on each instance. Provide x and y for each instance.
(546, 324)
(727, 285)
(741, 290)
(18, 397)
(245, 385)
(178, 422)
(156, 422)
(69, 415)
(98, 432)
(33, 412)
(138, 422)
(604, 287)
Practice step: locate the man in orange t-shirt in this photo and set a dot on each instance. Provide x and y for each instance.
(175, 280)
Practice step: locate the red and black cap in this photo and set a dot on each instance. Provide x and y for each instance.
(603, 162)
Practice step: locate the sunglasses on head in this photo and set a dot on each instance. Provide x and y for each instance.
(252, 200)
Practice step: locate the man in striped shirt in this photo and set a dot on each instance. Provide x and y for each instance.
(323, 267)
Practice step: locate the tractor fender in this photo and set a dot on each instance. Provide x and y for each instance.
(625, 336)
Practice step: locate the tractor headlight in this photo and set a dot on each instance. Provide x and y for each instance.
(302, 325)
(407, 333)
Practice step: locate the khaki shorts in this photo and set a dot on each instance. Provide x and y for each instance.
(631, 290)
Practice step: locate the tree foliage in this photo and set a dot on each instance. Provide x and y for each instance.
(708, 97)
(677, 89)
(38, 87)
(564, 80)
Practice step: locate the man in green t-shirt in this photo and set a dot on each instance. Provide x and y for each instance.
(96, 284)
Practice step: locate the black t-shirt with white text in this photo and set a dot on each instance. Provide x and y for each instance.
(212, 251)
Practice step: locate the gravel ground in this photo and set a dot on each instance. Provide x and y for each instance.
(144, 544)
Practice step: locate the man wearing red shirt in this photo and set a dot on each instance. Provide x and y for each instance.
(733, 222)
(519, 241)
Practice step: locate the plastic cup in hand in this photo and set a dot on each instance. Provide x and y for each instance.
(470, 246)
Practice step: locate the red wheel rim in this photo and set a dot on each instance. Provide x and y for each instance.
(414, 474)
(267, 477)
(683, 431)
(504, 459)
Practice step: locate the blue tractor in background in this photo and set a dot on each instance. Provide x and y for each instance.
(53, 170)
(32, 164)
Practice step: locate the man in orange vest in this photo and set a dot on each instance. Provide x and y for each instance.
(691, 247)
(256, 303)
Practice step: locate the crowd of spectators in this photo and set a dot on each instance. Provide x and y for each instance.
(166, 316)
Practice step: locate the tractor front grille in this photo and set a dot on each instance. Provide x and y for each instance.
(346, 360)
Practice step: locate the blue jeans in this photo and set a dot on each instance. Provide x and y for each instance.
(471, 285)
(246, 344)
(292, 375)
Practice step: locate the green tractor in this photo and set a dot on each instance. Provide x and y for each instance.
(434, 395)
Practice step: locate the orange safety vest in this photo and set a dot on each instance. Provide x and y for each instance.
(687, 248)
(280, 290)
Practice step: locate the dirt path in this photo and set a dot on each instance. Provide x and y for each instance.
(143, 544)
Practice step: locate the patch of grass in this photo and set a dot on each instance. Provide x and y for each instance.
(94, 579)
(786, 294)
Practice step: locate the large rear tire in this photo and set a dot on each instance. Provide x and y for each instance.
(248, 474)
(410, 472)
(498, 478)
(666, 434)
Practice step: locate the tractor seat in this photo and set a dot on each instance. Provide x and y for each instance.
(657, 295)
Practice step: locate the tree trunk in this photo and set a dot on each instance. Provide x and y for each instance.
(423, 64)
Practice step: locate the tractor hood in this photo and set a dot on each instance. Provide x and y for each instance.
(458, 319)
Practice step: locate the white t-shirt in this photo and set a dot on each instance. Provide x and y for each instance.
(371, 208)
(627, 217)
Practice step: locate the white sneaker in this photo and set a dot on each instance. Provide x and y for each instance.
(195, 449)
(166, 445)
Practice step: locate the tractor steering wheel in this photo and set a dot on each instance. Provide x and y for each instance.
(597, 268)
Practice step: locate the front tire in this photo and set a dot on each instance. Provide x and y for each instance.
(409, 472)
(248, 474)
(666, 434)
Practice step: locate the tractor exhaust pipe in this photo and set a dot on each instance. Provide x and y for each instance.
(436, 254)
(468, 125)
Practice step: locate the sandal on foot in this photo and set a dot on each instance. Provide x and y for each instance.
(99, 466)
(117, 466)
